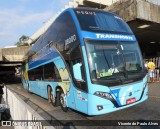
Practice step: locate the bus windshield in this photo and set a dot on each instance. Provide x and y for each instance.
(101, 21)
(111, 61)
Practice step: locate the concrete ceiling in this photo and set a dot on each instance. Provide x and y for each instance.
(93, 5)
(148, 37)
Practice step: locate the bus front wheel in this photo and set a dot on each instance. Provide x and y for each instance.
(62, 100)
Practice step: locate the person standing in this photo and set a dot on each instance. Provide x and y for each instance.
(1, 91)
(151, 68)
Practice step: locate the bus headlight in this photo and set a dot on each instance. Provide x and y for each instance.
(103, 95)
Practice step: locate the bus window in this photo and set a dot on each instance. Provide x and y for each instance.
(76, 60)
(112, 59)
(66, 35)
(31, 75)
(100, 21)
(51, 73)
(133, 59)
(77, 73)
(36, 74)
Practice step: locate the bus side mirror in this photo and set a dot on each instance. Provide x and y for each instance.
(77, 71)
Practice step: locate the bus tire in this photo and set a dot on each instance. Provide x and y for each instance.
(62, 101)
(51, 97)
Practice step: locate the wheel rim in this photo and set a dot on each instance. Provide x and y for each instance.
(62, 100)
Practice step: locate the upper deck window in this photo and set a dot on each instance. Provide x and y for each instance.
(100, 21)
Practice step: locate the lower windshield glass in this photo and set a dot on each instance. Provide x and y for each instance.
(113, 61)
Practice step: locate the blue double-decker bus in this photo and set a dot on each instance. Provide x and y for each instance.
(88, 60)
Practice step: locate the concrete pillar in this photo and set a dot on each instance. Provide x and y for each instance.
(141, 9)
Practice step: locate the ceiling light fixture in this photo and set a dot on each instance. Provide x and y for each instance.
(152, 42)
(143, 26)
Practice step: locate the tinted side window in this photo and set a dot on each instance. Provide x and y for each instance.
(51, 33)
(75, 57)
(30, 75)
(100, 21)
(61, 30)
(67, 37)
(36, 74)
(51, 73)
(62, 33)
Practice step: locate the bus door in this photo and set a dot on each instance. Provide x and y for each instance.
(80, 94)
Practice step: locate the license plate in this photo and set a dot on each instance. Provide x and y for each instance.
(131, 100)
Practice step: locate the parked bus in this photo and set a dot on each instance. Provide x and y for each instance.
(88, 60)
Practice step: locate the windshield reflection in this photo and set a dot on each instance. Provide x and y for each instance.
(114, 61)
